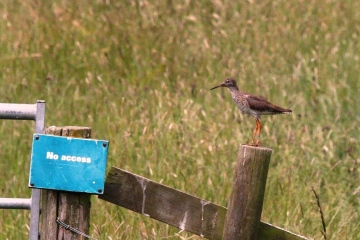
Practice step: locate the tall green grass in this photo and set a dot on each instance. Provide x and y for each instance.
(139, 74)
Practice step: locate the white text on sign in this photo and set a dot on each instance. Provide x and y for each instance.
(53, 156)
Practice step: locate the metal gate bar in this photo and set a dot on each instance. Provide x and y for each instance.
(34, 112)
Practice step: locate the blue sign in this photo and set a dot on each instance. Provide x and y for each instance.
(69, 164)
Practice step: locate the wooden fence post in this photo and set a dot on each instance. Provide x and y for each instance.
(72, 208)
(245, 204)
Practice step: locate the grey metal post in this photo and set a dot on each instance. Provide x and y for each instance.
(35, 195)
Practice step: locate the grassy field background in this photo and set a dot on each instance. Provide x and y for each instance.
(139, 74)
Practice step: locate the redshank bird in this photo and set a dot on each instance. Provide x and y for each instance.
(253, 105)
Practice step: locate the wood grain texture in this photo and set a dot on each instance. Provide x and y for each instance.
(246, 201)
(164, 203)
(72, 208)
(174, 207)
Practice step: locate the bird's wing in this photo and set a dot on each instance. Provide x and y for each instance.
(257, 98)
(262, 105)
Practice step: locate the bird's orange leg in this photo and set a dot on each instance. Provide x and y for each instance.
(259, 130)
(255, 133)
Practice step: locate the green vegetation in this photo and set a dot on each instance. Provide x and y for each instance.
(139, 74)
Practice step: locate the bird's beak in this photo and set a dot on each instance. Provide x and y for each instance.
(221, 85)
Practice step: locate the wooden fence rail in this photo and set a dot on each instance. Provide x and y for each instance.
(176, 208)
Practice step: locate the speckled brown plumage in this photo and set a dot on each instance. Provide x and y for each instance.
(253, 105)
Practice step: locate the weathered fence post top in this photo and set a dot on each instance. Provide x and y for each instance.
(245, 204)
(255, 148)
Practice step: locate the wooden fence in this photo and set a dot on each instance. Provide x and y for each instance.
(240, 221)
(66, 215)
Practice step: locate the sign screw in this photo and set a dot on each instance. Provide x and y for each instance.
(99, 190)
(37, 137)
(104, 144)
